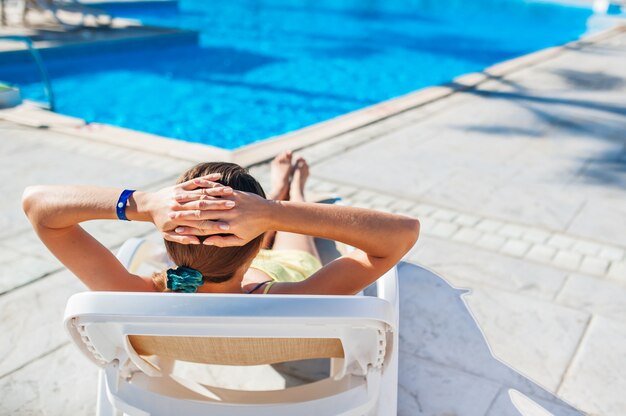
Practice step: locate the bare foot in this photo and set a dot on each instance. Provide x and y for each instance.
(281, 170)
(300, 176)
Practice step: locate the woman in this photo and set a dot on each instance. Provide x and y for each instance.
(214, 222)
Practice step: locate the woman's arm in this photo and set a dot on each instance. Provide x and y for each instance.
(56, 211)
(379, 234)
(381, 239)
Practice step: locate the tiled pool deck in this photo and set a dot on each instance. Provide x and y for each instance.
(520, 184)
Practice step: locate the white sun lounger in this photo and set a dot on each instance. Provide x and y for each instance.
(134, 337)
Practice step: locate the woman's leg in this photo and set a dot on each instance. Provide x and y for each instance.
(281, 171)
(291, 241)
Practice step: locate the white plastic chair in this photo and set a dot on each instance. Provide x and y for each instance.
(124, 332)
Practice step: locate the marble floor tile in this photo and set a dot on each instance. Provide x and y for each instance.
(535, 337)
(437, 325)
(63, 382)
(32, 319)
(596, 380)
(604, 297)
(511, 402)
(23, 270)
(429, 389)
(467, 266)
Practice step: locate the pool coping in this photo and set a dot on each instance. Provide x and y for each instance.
(33, 115)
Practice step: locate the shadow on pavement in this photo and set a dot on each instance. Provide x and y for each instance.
(446, 366)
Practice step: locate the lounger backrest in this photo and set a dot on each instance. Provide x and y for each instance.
(236, 351)
(230, 329)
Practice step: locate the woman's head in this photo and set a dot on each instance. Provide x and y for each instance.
(218, 264)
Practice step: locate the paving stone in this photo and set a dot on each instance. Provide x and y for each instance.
(23, 270)
(63, 382)
(561, 241)
(535, 235)
(32, 322)
(594, 265)
(587, 247)
(470, 266)
(541, 253)
(427, 224)
(403, 205)
(567, 259)
(7, 254)
(489, 226)
(437, 326)
(383, 201)
(513, 403)
(426, 388)
(467, 220)
(365, 196)
(537, 338)
(345, 190)
(28, 244)
(515, 248)
(491, 242)
(595, 380)
(596, 295)
(443, 230)
(443, 214)
(324, 186)
(422, 210)
(611, 253)
(511, 231)
(466, 235)
(617, 271)
(602, 218)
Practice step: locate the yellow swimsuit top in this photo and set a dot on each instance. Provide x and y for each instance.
(285, 265)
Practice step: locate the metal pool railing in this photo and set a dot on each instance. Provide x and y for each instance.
(42, 69)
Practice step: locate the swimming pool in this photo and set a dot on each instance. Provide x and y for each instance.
(262, 68)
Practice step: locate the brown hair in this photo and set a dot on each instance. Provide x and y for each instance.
(217, 264)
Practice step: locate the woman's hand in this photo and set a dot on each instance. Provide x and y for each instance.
(197, 195)
(248, 219)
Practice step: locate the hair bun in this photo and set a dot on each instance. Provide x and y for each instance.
(184, 279)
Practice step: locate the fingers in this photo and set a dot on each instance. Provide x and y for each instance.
(215, 212)
(207, 181)
(178, 238)
(216, 240)
(203, 228)
(203, 193)
(205, 204)
(224, 241)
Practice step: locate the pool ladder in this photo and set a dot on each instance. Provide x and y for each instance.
(42, 69)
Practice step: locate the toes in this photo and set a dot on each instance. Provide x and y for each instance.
(283, 157)
(300, 162)
(286, 156)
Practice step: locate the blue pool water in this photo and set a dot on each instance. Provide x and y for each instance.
(265, 67)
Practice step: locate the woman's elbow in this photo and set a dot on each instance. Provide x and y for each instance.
(413, 228)
(32, 201)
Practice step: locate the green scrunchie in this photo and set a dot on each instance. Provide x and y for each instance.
(184, 279)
